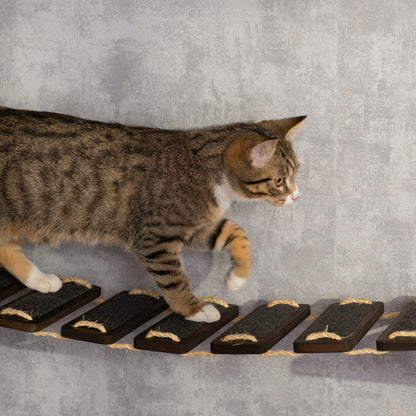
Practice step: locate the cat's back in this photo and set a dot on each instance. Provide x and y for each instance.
(31, 127)
(44, 137)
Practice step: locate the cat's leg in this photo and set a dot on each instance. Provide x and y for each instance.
(14, 261)
(228, 235)
(163, 263)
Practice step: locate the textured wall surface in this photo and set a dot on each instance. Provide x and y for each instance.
(349, 65)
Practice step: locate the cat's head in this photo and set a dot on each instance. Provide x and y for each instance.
(262, 164)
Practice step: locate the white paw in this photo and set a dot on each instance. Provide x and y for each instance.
(234, 282)
(208, 313)
(43, 282)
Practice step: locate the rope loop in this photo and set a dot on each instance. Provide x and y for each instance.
(283, 302)
(238, 337)
(159, 334)
(355, 300)
(78, 281)
(209, 299)
(90, 324)
(17, 312)
(324, 334)
(397, 334)
(144, 292)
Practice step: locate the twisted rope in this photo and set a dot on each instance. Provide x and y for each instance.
(90, 324)
(389, 315)
(122, 347)
(17, 312)
(237, 337)
(159, 334)
(214, 300)
(397, 334)
(78, 281)
(324, 334)
(281, 352)
(199, 354)
(355, 300)
(364, 351)
(49, 334)
(283, 302)
(144, 292)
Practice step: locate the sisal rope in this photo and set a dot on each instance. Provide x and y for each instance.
(389, 315)
(90, 324)
(397, 334)
(281, 352)
(78, 281)
(324, 334)
(17, 312)
(283, 302)
(355, 300)
(144, 292)
(214, 300)
(209, 354)
(364, 351)
(159, 334)
(122, 347)
(311, 317)
(199, 354)
(49, 334)
(238, 337)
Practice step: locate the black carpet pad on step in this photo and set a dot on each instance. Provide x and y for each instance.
(405, 323)
(260, 329)
(46, 308)
(188, 334)
(118, 316)
(350, 322)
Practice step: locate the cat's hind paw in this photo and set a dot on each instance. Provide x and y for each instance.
(43, 282)
(208, 313)
(234, 282)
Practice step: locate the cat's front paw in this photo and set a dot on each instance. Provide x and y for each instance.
(43, 282)
(208, 313)
(234, 282)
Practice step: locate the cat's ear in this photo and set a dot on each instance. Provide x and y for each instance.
(287, 127)
(262, 153)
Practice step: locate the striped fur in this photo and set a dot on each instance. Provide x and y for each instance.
(148, 190)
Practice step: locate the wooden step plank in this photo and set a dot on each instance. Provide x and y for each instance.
(400, 335)
(115, 317)
(260, 330)
(188, 334)
(346, 322)
(9, 285)
(46, 308)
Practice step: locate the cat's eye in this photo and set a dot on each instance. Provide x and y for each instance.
(279, 181)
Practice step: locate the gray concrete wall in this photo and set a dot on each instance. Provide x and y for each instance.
(349, 65)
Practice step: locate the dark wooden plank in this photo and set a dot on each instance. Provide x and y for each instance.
(189, 334)
(350, 322)
(9, 285)
(118, 316)
(46, 308)
(265, 326)
(400, 335)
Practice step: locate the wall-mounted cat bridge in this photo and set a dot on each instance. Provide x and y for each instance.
(338, 329)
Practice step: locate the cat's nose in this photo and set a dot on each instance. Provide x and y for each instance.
(295, 195)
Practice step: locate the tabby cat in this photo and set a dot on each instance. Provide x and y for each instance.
(148, 190)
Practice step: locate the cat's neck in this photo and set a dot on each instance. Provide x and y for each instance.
(225, 194)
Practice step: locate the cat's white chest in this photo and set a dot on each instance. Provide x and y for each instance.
(225, 195)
